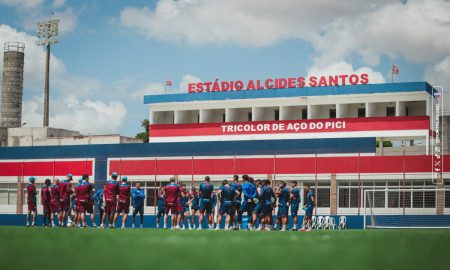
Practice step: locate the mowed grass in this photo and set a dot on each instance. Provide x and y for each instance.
(69, 248)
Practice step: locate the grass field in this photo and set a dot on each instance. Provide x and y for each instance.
(67, 248)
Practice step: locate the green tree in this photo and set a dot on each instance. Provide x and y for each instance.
(144, 135)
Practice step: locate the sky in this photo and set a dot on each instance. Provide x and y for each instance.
(112, 52)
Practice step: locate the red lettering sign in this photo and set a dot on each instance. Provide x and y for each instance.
(278, 83)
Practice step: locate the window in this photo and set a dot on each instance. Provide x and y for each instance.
(361, 112)
(332, 113)
(223, 118)
(8, 193)
(249, 116)
(390, 111)
(400, 199)
(348, 194)
(277, 115)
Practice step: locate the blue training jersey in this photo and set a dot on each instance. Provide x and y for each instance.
(195, 200)
(206, 189)
(138, 197)
(268, 194)
(249, 190)
(295, 195)
(160, 201)
(284, 196)
(228, 193)
(309, 198)
(238, 187)
(98, 197)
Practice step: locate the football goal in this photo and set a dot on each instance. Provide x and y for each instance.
(406, 208)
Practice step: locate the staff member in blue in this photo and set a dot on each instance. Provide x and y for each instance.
(138, 196)
(309, 207)
(98, 199)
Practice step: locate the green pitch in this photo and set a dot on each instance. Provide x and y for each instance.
(136, 249)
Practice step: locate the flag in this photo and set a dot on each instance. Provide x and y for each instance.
(395, 70)
(168, 82)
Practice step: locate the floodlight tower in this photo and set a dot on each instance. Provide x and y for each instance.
(47, 33)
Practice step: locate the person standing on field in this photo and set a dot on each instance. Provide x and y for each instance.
(123, 205)
(31, 201)
(309, 207)
(45, 199)
(65, 190)
(295, 202)
(109, 200)
(138, 195)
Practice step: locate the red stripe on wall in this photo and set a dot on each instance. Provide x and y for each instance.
(284, 165)
(46, 168)
(351, 124)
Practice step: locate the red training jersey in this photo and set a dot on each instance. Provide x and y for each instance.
(64, 190)
(31, 192)
(172, 192)
(45, 195)
(124, 192)
(54, 191)
(84, 191)
(111, 190)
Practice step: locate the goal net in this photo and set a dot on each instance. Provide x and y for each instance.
(406, 208)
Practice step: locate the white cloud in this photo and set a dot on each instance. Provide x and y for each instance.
(77, 102)
(32, 11)
(34, 58)
(67, 16)
(58, 3)
(88, 116)
(343, 67)
(154, 88)
(251, 23)
(418, 31)
(147, 89)
(25, 4)
(187, 79)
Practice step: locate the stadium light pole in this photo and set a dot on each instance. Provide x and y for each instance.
(47, 33)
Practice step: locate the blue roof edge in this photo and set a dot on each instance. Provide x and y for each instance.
(292, 92)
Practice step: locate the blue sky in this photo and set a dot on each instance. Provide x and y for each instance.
(113, 52)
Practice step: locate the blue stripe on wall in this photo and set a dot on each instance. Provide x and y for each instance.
(260, 147)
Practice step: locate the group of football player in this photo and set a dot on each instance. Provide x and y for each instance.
(189, 210)
(66, 206)
(256, 198)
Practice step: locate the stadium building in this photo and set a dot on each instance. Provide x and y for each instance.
(342, 140)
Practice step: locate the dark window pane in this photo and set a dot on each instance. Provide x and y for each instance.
(332, 113)
(379, 199)
(344, 197)
(447, 199)
(304, 114)
(323, 197)
(393, 199)
(430, 199)
(354, 197)
(390, 111)
(417, 199)
(361, 112)
(405, 199)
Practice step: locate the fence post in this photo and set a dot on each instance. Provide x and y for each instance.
(155, 194)
(359, 183)
(192, 179)
(315, 184)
